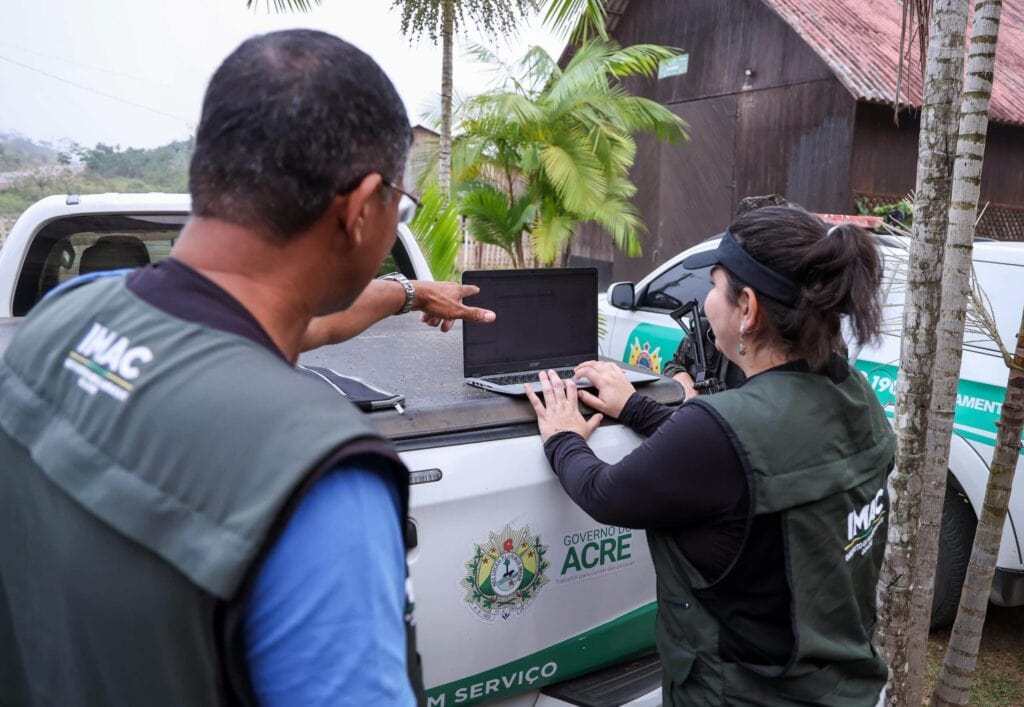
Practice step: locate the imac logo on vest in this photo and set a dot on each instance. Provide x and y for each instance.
(862, 525)
(106, 361)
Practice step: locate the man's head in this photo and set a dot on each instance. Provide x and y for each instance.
(290, 120)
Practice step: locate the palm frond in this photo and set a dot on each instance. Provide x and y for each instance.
(622, 188)
(512, 106)
(637, 59)
(574, 171)
(550, 234)
(583, 75)
(616, 149)
(492, 219)
(438, 231)
(644, 115)
(622, 221)
(581, 19)
(283, 5)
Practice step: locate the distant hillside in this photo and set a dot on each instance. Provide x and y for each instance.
(31, 170)
(19, 153)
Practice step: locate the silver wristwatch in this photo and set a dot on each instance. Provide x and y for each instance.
(410, 291)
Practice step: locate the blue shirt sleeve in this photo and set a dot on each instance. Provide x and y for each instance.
(84, 280)
(324, 624)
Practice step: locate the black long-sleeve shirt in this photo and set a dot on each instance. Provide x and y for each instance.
(687, 480)
(686, 476)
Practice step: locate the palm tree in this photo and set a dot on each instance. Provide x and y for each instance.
(439, 19)
(919, 480)
(496, 218)
(557, 143)
(954, 683)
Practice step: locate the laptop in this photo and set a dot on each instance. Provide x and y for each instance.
(547, 319)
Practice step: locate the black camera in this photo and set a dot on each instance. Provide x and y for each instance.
(697, 354)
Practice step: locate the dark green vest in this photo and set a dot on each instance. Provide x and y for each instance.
(817, 453)
(147, 464)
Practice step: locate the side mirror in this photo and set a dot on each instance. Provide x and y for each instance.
(622, 295)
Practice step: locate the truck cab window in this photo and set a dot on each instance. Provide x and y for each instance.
(675, 287)
(69, 247)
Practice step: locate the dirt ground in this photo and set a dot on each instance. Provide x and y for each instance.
(999, 678)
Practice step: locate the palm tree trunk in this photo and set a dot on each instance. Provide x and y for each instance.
(957, 674)
(969, 140)
(901, 632)
(444, 169)
(566, 253)
(954, 684)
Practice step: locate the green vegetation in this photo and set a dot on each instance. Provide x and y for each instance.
(35, 170)
(163, 167)
(19, 153)
(900, 211)
(583, 19)
(552, 148)
(437, 230)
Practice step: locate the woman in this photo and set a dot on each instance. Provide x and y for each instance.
(764, 505)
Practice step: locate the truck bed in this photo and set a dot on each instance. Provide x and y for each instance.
(402, 355)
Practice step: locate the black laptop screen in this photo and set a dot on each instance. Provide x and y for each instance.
(546, 319)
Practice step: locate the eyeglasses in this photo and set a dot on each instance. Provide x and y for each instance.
(416, 204)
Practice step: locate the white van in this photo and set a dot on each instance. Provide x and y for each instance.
(635, 327)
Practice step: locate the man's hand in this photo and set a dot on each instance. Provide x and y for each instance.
(441, 303)
(686, 380)
(613, 388)
(559, 411)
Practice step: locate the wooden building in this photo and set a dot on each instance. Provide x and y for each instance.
(792, 97)
(421, 153)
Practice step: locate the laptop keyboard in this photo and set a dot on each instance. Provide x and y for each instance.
(563, 373)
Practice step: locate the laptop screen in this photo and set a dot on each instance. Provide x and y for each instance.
(545, 319)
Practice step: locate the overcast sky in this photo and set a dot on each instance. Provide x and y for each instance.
(132, 72)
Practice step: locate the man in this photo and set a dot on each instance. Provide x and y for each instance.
(186, 520)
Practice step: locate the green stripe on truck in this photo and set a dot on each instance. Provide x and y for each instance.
(607, 644)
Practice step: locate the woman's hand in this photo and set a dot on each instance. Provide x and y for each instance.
(613, 389)
(560, 411)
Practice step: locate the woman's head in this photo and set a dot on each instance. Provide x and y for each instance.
(804, 277)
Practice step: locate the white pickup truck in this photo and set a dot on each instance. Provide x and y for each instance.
(573, 625)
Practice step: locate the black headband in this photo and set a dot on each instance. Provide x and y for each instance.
(742, 264)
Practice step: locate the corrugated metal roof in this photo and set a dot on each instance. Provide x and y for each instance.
(859, 40)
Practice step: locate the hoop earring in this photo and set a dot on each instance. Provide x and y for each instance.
(741, 348)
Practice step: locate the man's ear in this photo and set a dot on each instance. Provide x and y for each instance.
(351, 208)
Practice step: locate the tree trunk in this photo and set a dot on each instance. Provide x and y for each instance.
(966, 186)
(900, 638)
(566, 254)
(444, 168)
(954, 686)
(957, 674)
